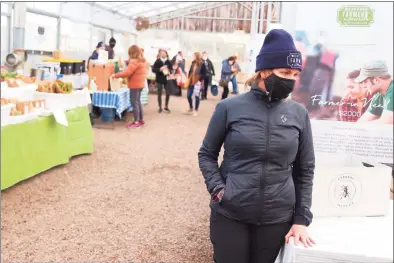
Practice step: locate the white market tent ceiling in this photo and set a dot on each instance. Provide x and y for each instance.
(146, 9)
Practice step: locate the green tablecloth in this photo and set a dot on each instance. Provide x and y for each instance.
(32, 147)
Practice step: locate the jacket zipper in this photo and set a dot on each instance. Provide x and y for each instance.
(264, 170)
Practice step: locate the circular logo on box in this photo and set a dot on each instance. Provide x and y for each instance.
(345, 190)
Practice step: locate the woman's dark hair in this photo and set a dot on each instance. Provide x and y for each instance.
(100, 44)
(234, 58)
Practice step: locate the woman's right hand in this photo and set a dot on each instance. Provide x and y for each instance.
(218, 196)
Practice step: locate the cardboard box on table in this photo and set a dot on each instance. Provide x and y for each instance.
(102, 73)
(344, 187)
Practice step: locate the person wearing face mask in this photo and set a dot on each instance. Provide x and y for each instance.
(162, 68)
(261, 193)
(209, 72)
(110, 48)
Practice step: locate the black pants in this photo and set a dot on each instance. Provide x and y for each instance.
(225, 92)
(207, 82)
(235, 242)
(160, 88)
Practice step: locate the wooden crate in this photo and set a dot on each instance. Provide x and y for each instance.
(102, 73)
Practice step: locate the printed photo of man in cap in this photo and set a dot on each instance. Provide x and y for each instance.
(376, 78)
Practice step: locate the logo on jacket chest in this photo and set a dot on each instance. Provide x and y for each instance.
(283, 118)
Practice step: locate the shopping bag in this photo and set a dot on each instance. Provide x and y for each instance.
(223, 83)
(287, 253)
(171, 87)
(196, 89)
(214, 88)
(115, 84)
(187, 83)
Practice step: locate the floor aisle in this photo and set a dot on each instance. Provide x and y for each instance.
(140, 197)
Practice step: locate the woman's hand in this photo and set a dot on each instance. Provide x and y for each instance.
(300, 234)
(218, 196)
(113, 76)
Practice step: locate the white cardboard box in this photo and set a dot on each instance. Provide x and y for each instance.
(344, 188)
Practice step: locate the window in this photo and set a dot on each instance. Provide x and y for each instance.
(4, 38)
(75, 39)
(122, 45)
(100, 34)
(4, 8)
(46, 39)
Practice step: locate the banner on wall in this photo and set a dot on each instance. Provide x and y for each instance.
(347, 85)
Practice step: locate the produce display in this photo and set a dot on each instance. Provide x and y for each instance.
(23, 107)
(12, 77)
(57, 86)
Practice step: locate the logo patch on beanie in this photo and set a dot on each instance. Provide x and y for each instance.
(294, 60)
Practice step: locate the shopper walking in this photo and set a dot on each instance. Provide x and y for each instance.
(261, 194)
(162, 68)
(226, 75)
(236, 69)
(195, 78)
(209, 72)
(135, 73)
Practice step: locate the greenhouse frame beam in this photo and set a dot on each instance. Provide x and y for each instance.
(218, 18)
(109, 9)
(177, 14)
(44, 13)
(152, 10)
(247, 7)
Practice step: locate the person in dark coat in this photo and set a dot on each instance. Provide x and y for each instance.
(261, 193)
(226, 75)
(209, 72)
(162, 68)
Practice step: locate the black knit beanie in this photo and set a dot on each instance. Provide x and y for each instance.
(278, 51)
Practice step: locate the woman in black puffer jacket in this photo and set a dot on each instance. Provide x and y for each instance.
(261, 194)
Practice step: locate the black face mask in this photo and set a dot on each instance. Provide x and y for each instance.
(112, 45)
(278, 88)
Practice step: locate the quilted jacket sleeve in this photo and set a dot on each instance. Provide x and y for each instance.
(303, 172)
(209, 151)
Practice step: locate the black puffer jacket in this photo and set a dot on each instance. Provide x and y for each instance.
(268, 162)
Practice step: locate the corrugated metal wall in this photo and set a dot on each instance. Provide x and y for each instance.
(240, 19)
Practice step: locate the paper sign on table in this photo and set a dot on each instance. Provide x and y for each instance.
(60, 117)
